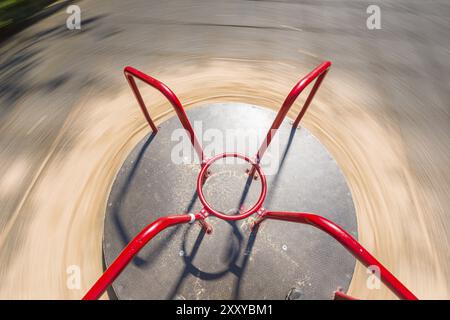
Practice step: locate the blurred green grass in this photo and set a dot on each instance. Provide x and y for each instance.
(14, 12)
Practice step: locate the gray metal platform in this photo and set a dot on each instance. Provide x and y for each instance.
(231, 263)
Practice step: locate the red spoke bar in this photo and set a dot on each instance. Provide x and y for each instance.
(133, 248)
(130, 73)
(347, 241)
(320, 72)
(301, 217)
(339, 295)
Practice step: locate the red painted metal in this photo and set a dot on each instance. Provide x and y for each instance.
(319, 72)
(310, 98)
(348, 242)
(132, 249)
(130, 73)
(243, 215)
(138, 96)
(339, 295)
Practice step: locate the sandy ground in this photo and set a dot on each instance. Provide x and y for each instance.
(56, 218)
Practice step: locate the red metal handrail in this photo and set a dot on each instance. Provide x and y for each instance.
(347, 241)
(319, 72)
(131, 72)
(301, 217)
(339, 295)
(133, 248)
(241, 215)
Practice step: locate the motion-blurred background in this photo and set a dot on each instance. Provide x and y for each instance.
(68, 119)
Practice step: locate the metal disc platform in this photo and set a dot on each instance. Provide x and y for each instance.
(159, 178)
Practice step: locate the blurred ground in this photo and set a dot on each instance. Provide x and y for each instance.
(15, 12)
(68, 120)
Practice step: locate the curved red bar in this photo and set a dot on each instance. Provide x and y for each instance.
(132, 249)
(243, 215)
(131, 72)
(349, 243)
(319, 72)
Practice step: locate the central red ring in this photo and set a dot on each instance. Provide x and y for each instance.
(245, 214)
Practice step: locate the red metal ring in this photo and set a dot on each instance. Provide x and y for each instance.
(245, 214)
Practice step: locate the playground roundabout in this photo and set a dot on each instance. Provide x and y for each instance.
(85, 171)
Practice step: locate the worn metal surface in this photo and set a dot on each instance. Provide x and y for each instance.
(232, 262)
